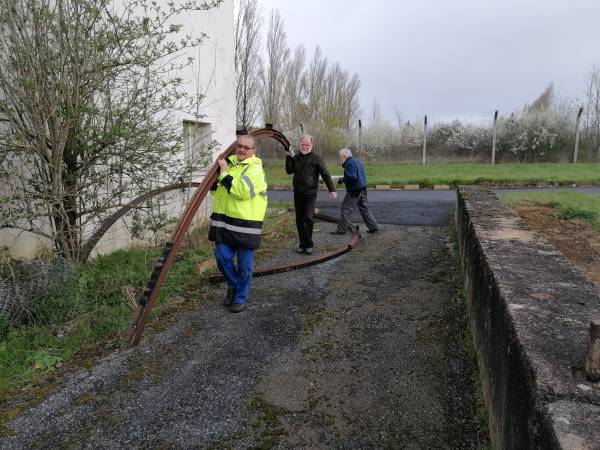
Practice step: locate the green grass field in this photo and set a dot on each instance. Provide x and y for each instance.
(398, 175)
(570, 205)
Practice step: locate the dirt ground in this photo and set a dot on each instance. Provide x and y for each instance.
(577, 240)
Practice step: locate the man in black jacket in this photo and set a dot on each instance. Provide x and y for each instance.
(306, 167)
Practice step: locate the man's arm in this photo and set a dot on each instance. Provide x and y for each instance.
(289, 164)
(249, 183)
(350, 174)
(325, 174)
(327, 178)
(224, 178)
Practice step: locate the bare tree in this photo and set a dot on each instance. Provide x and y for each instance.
(274, 75)
(87, 105)
(400, 123)
(315, 85)
(333, 107)
(247, 62)
(341, 98)
(592, 109)
(295, 89)
(376, 116)
(543, 102)
(352, 100)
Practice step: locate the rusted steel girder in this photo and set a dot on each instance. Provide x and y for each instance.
(216, 277)
(157, 277)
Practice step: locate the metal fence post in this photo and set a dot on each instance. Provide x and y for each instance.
(425, 141)
(360, 143)
(494, 138)
(577, 134)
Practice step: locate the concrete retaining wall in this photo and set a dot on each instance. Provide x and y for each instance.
(530, 310)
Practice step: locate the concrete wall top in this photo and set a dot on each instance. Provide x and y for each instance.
(549, 304)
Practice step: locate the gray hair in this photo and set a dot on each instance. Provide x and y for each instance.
(309, 137)
(250, 137)
(345, 152)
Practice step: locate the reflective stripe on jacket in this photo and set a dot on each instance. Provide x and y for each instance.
(239, 204)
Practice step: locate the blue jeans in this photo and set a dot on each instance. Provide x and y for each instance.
(238, 278)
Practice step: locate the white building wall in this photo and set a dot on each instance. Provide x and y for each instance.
(212, 75)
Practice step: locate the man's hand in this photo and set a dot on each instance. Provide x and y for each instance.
(222, 164)
(333, 195)
(290, 151)
(341, 181)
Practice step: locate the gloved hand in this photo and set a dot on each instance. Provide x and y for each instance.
(341, 181)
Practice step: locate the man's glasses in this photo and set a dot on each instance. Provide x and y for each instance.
(245, 147)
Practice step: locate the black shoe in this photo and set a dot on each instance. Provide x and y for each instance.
(377, 230)
(229, 298)
(337, 232)
(237, 307)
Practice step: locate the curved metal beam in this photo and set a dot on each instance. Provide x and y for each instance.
(157, 277)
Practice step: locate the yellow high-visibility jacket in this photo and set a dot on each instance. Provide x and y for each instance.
(239, 204)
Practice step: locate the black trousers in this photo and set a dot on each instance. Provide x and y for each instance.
(304, 204)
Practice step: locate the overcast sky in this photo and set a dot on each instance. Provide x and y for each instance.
(450, 58)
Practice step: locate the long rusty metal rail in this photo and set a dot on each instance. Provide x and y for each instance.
(171, 248)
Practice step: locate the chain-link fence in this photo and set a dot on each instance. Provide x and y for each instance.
(23, 283)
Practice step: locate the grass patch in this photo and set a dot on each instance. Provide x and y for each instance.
(569, 205)
(88, 308)
(560, 174)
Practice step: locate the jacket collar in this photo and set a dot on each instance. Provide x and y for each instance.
(252, 160)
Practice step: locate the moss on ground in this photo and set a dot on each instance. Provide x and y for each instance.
(267, 425)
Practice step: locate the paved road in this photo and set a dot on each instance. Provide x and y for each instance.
(419, 207)
(422, 207)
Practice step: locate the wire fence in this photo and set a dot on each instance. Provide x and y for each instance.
(23, 283)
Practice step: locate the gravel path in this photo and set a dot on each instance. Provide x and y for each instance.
(360, 352)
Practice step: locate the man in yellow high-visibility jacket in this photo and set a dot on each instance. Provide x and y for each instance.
(239, 206)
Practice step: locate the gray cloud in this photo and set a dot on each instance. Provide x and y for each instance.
(451, 58)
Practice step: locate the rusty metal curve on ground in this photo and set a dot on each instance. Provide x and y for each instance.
(216, 277)
(171, 248)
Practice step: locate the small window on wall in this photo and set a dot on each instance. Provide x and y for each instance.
(197, 141)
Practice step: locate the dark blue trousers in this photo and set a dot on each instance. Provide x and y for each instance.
(238, 276)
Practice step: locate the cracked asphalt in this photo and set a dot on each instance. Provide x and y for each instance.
(359, 352)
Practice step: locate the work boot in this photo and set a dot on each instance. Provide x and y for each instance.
(229, 298)
(237, 307)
